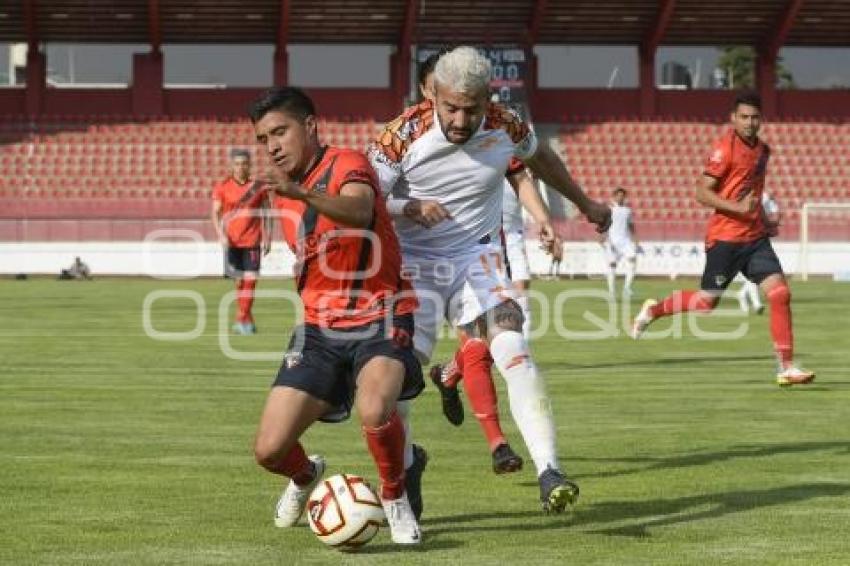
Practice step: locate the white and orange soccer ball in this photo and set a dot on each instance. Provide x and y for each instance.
(344, 512)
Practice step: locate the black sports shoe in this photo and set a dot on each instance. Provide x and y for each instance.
(556, 491)
(505, 460)
(413, 479)
(452, 407)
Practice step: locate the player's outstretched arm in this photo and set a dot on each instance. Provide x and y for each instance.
(530, 200)
(548, 167)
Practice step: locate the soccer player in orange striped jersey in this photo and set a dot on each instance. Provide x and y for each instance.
(355, 346)
(737, 237)
(239, 217)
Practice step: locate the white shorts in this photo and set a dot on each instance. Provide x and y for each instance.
(517, 258)
(458, 290)
(615, 251)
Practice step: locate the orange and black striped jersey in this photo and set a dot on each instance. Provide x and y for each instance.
(346, 276)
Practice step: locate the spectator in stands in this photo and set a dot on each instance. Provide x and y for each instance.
(240, 221)
(78, 270)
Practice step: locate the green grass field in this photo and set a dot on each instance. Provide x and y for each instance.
(117, 448)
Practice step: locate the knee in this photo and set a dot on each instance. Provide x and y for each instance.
(780, 294)
(268, 452)
(374, 412)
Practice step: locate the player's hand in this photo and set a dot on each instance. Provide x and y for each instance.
(428, 213)
(557, 249)
(599, 214)
(267, 247)
(280, 183)
(747, 204)
(547, 237)
(772, 228)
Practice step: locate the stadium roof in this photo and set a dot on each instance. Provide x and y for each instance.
(629, 22)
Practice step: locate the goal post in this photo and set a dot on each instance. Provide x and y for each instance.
(805, 212)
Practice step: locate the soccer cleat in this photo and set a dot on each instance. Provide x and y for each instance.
(413, 479)
(291, 504)
(556, 491)
(404, 529)
(449, 396)
(505, 460)
(794, 376)
(759, 308)
(643, 318)
(244, 328)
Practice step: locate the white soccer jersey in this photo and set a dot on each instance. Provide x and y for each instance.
(511, 210)
(621, 219)
(414, 160)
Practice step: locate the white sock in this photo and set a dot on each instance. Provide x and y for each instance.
(522, 301)
(403, 410)
(611, 276)
(630, 276)
(530, 406)
(753, 291)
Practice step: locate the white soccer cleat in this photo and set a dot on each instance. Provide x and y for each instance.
(403, 526)
(643, 318)
(291, 504)
(793, 375)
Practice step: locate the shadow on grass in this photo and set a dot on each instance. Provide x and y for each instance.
(430, 541)
(705, 458)
(663, 512)
(644, 515)
(718, 359)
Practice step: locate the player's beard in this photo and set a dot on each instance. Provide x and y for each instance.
(463, 134)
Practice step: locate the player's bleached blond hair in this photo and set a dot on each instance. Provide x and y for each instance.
(465, 70)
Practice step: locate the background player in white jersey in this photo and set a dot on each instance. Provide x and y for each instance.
(456, 151)
(748, 295)
(619, 243)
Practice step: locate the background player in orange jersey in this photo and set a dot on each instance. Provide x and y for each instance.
(737, 237)
(239, 217)
(355, 347)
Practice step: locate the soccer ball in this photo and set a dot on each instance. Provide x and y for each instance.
(344, 512)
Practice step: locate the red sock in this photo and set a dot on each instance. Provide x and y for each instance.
(478, 384)
(295, 465)
(681, 301)
(246, 300)
(780, 323)
(386, 444)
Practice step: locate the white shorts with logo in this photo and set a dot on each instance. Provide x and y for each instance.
(617, 250)
(517, 258)
(457, 290)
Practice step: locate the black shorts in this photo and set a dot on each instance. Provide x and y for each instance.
(756, 260)
(240, 260)
(325, 363)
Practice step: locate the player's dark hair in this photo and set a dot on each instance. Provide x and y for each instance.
(620, 190)
(289, 99)
(428, 65)
(240, 152)
(749, 98)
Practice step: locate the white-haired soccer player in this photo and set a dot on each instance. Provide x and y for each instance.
(456, 150)
(748, 295)
(619, 243)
